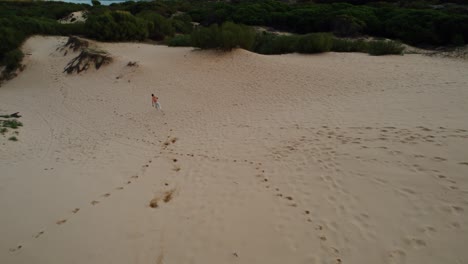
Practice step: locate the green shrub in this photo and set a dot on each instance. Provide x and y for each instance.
(233, 36)
(347, 26)
(384, 47)
(226, 37)
(158, 26)
(315, 43)
(13, 59)
(117, 25)
(267, 43)
(10, 39)
(206, 37)
(458, 40)
(12, 124)
(182, 24)
(13, 138)
(180, 41)
(348, 45)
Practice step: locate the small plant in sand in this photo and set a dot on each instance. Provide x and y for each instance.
(10, 123)
(14, 124)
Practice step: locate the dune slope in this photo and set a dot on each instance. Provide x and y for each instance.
(331, 158)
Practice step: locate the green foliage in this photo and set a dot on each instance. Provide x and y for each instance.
(13, 59)
(267, 43)
(14, 124)
(206, 37)
(158, 26)
(182, 24)
(384, 47)
(348, 45)
(226, 37)
(9, 39)
(95, 2)
(233, 36)
(347, 26)
(315, 43)
(117, 25)
(13, 138)
(3, 130)
(420, 26)
(180, 41)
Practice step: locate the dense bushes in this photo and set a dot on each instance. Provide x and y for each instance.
(424, 26)
(12, 59)
(382, 47)
(180, 41)
(117, 25)
(227, 36)
(266, 43)
(349, 45)
(158, 26)
(315, 43)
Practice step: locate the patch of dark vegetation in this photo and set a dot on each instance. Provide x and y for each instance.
(10, 124)
(85, 59)
(75, 43)
(132, 64)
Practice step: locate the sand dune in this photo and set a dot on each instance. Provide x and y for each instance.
(331, 158)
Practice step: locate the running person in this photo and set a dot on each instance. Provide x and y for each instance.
(154, 102)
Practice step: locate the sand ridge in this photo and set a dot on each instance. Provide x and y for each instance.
(331, 158)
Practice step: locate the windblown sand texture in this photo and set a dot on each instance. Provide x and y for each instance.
(330, 158)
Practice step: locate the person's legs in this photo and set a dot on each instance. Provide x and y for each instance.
(158, 106)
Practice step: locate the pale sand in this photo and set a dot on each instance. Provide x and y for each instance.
(74, 17)
(331, 158)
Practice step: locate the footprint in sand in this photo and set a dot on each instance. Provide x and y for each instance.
(119, 188)
(17, 248)
(166, 197)
(39, 234)
(94, 202)
(415, 242)
(76, 210)
(106, 195)
(60, 222)
(396, 256)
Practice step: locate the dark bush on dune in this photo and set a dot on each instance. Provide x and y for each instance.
(226, 37)
(315, 43)
(268, 43)
(349, 45)
(236, 36)
(384, 47)
(12, 59)
(206, 37)
(117, 26)
(158, 26)
(180, 41)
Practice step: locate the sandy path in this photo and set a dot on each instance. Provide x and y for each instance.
(332, 158)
